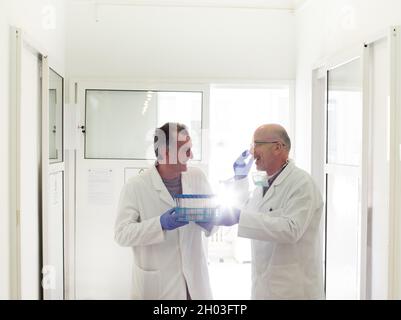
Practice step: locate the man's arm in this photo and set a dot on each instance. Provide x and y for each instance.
(129, 229)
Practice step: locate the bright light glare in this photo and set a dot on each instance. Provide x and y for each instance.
(226, 197)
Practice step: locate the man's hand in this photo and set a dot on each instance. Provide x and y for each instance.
(228, 217)
(241, 167)
(169, 220)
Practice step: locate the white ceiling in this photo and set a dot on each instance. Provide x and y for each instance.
(265, 4)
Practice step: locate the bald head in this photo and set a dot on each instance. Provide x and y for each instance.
(273, 131)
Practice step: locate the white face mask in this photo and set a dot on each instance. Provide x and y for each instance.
(260, 179)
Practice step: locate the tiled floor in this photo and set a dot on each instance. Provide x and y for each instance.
(230, 280)
(229, 265)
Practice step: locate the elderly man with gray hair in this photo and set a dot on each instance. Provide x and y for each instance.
(282, 217)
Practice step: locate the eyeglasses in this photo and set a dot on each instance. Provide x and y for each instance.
(256, 143)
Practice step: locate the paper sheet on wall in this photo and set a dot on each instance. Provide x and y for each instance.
(100, 187)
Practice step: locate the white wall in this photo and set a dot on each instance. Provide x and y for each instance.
(43, 20)
(179, 43)
(324, 28)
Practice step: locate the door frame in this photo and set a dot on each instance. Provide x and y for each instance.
(18, 40)
(319, 165)
(77, 90)
(319, 98)
(53, 169)
(394, 284)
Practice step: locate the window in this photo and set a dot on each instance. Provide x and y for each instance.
(130, 117)
(235, 114)
(55, 117)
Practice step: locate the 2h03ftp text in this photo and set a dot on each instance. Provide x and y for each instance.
(201, 310)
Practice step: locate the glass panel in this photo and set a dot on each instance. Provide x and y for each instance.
(343, 206)
(232, 127)
(130, 117)
(186, 108)
(235, 114)
(344, 114)
(56, 105)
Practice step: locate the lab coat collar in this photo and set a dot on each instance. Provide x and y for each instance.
(160, 187)
(281, 177)
(284, 174)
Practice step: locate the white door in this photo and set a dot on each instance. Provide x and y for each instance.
(356, 174)
(117, 123)
(53, 220)
(37, 237)
(28, 186)
(30, 179)
(343, 180)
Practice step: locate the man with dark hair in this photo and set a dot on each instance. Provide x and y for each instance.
(170, 261)
(162, 137)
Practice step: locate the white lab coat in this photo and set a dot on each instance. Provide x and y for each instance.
(286, 232)
(165, 262)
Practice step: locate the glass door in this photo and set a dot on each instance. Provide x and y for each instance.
(53, 220)
(343, 179)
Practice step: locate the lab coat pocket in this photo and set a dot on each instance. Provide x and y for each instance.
(285, 282)
(146, 284)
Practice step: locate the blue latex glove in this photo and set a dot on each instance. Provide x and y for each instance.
(206, 225)
(228, 217)
(168, 220)
(241, 167)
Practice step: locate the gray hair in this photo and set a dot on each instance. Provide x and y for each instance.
(283, 135)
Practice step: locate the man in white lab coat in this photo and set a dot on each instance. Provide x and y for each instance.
(170, 261)
(283, 219)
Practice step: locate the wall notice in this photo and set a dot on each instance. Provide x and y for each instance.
(100, 187)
